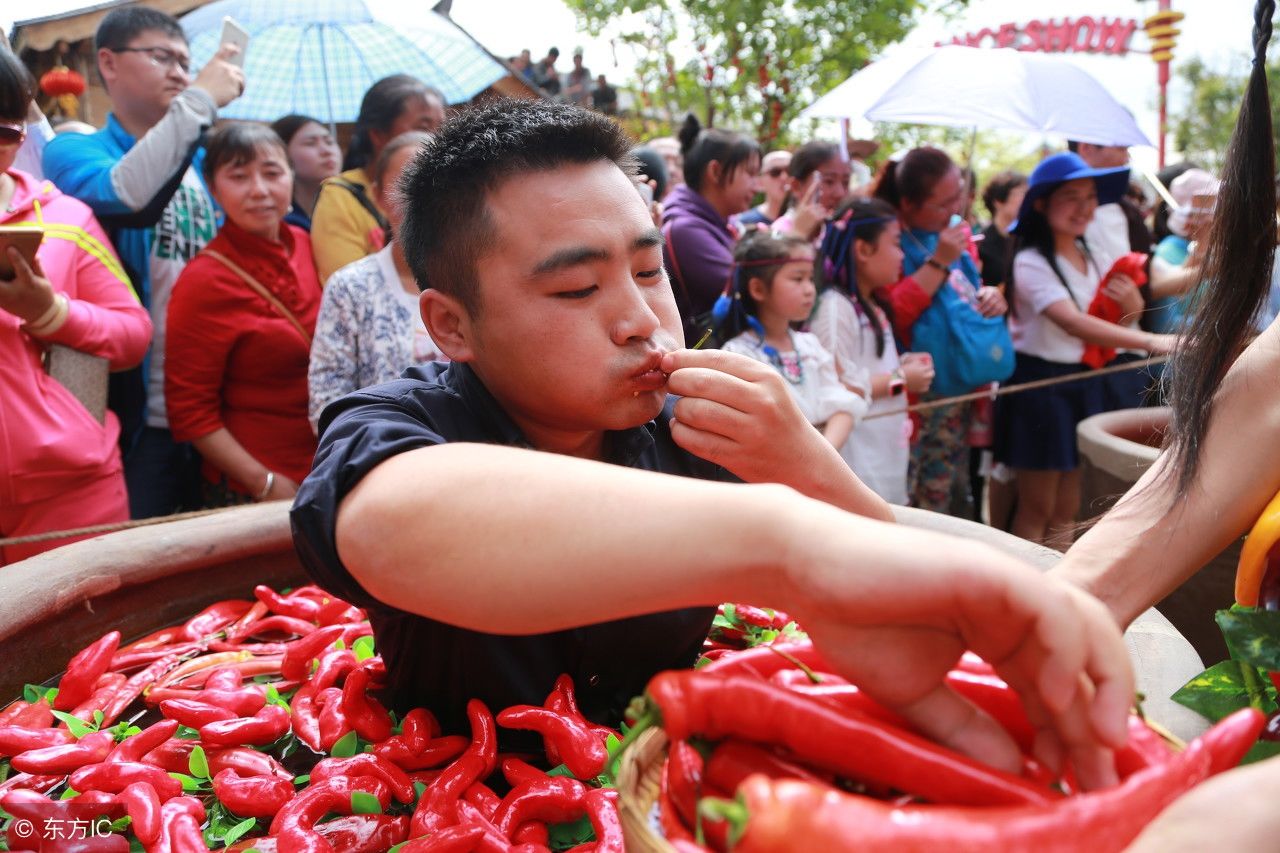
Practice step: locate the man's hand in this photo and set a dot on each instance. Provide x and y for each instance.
(223, 81)
(29, 294)
(897, 629)
(991, 302)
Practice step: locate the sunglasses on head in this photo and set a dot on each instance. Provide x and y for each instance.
(12, 133)
(776, 172)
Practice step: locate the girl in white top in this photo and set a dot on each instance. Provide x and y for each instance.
(1053, 281)
(861, 253)
(774, 291)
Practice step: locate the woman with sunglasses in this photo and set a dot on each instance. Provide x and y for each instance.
(59, 465)
(775, 181)
(819, 182)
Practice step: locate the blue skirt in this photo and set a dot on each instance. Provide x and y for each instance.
(1036, 430)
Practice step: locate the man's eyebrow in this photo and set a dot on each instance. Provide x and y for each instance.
(577, 255)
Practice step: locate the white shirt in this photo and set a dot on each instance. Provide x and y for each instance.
(879, 450)
(819, 392)
(1036, 287)
(1108, 235)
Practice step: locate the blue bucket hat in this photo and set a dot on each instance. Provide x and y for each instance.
(1057, 169)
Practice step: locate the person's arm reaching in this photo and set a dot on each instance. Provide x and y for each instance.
(1094, 330)
(1152, 540)
(571, 542)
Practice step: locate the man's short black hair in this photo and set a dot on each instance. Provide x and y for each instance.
(122, 25)
(446, 226)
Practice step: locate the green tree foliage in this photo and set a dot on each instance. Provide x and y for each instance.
(1202, 129)
(758, 62)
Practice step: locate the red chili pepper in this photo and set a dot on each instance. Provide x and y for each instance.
(339, 612)
(993, 695)
(268, 725)
(142, 804)
(17, 739)
(214, 618)
(180, 820)
(318, 799)
(363, 833)
(224, 678)
(30, 782)
(241, 702)
(93, 748)
(555, 799)
(453, 839)
(140, 681)
(114, 777)
(132, 660)
(531, 832)
(254, 796)
(367, 764)
(436, 807)
(109, 684)
(564, 699)
(305, 718)
(838, 693)
(163, 637)
(84, 670)
(580, 748)
(296, 665)
(1144, 749)
(602, 811)
(732, 761)
(696, 703)
(295, 606)
(685, 769)
(764, 661)
(365, 714)
(201, 666)
(673, 826)
(418, 727)
(193, 713)
(12, 710)
(755, 616)
(281, 625)
(333, 722)
(435, 753)
(245, 762)
(493, 841)
(482, 797)
(335, 664)
(516, 770)
(239, 629)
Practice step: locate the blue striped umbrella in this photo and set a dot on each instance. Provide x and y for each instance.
(318, 57)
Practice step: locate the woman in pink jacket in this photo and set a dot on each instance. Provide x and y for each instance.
(59, 467)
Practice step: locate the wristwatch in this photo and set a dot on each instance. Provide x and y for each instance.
(936, 264)
(897, 384)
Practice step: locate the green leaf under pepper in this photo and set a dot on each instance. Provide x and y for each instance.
(1253, 636)
(363, 803)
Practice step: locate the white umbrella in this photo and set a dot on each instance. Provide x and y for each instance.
(960, 86)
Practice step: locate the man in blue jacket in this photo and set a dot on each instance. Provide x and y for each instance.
(141, 176)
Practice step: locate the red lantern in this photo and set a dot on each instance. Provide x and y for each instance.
(64, 85)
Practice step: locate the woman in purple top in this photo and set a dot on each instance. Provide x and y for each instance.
(720, 172)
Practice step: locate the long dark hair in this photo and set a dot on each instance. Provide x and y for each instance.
(379, 109)
(856, 219)
(700, 147)
(807, 160)
(17, 87)
(1237, 266)
(912, 179)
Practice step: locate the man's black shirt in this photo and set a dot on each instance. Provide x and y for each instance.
(440, 666)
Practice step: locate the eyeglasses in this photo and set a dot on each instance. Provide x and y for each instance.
(161, 57)
(775, 173)
(12, 134)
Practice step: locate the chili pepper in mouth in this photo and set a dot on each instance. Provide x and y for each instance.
(718, 707)
(93, 748)
(268, 725)
(84, 670)
(252, 796)
(578, 746)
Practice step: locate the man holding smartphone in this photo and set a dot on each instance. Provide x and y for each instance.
(141, 176)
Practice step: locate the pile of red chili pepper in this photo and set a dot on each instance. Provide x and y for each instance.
(254, 726)
(769, 751)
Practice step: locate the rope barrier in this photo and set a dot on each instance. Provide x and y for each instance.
(99, 529)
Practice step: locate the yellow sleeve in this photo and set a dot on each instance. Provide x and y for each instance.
(341, 231)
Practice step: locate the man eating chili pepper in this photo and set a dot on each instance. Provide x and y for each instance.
(558, 498)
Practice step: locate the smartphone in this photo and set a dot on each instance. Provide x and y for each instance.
(233, 33)
(25, 240)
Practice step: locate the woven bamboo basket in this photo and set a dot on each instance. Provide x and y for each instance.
(639, 781)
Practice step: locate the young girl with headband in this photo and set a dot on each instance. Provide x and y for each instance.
(772, 290)
(860, 253)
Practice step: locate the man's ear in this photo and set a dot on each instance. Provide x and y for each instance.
(449, 324)
(107, 65)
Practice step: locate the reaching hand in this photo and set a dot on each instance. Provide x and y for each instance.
(1126, 294)
(897, 629)
(991, 302)
(917, 370)
(223, 81)
(29, 294)
(809, 213)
